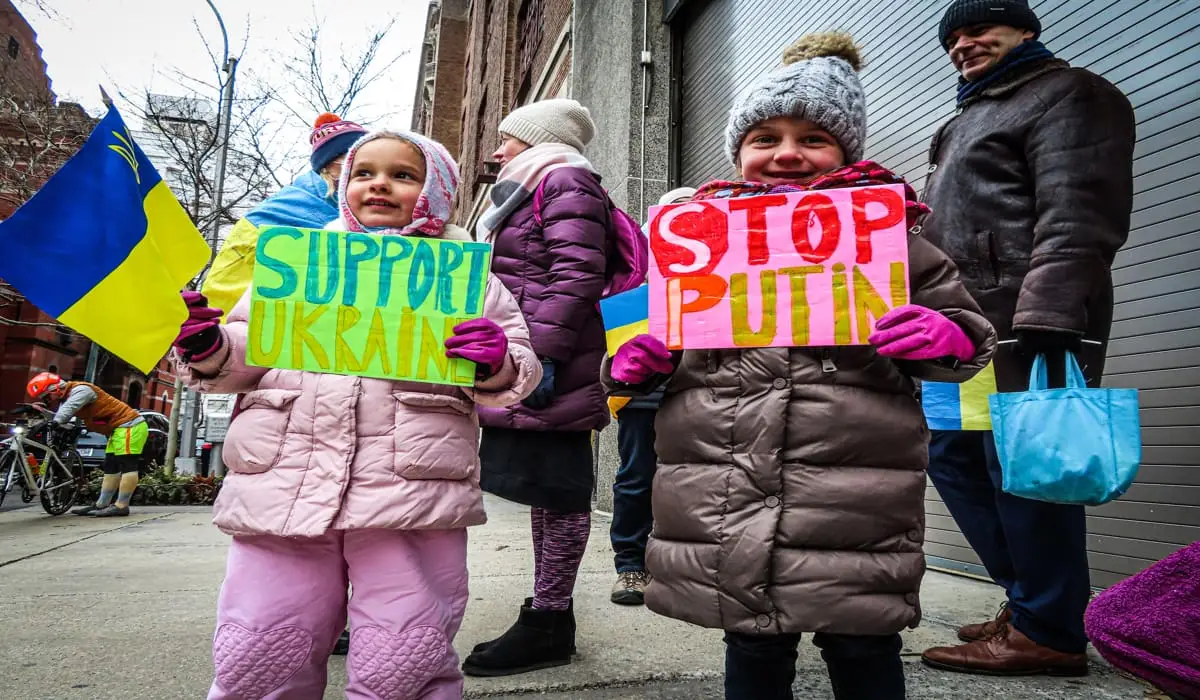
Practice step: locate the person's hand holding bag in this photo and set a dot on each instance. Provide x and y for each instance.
(914, 332)
(199, 336)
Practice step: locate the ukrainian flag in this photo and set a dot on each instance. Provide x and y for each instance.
(960, 406)
(626, 316)
(104, 247)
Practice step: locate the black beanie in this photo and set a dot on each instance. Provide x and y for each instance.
(1010, 13)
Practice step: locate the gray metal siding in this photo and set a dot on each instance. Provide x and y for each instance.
(1151, 50)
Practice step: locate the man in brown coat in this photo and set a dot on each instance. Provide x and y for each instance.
(1031, 189)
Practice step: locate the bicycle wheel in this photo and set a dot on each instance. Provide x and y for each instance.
(7, 475)
(60, 486)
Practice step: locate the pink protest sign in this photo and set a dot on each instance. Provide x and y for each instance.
(794, 269)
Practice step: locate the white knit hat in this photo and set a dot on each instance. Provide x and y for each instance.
(679, 193)
(819, 83)
(551, 121)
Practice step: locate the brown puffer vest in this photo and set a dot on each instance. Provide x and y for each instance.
(106, 413)
(790, 486)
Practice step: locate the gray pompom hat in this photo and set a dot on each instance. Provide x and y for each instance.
(818, 82)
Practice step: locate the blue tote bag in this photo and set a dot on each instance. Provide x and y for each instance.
(1075, 445)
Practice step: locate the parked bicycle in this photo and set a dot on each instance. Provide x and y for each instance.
(41, 458)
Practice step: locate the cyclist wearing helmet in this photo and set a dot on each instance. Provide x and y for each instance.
(125, 428)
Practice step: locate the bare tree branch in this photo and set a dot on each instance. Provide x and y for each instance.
(314, 84)
(37, 135)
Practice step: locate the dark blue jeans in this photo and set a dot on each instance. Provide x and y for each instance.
(632, 516)
(1036, 550)
(860, 667)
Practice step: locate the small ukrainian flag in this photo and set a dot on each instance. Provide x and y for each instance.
(960, 406)
(626, 316)
(104, 247)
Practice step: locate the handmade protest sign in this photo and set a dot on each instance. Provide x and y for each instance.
(790, 269)
(364, 304)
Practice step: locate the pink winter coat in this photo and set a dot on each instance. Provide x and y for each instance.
(310, 452)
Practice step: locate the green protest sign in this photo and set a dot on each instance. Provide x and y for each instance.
(364, 304)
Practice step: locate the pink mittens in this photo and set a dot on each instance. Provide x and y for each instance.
(916, 333)
(640, 359)
(481, 341)
(199, 336)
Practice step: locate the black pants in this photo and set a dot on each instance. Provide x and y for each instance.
(763, 667)
(1036, 550)
(632, 519)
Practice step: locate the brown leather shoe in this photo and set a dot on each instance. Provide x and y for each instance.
(983, 630)
(1006, 653)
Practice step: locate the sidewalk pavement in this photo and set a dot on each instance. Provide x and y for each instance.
(123, 609)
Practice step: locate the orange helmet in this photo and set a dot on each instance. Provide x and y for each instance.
(42, 384)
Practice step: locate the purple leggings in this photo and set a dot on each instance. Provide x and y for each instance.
(559, 541)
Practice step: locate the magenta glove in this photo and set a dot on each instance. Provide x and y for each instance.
(916, 333)
(481, 341)
(640, 359)
(199, 336)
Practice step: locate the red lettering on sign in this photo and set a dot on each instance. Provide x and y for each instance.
(756, 224)
(863, 226)
(689, 240)
(822, 210)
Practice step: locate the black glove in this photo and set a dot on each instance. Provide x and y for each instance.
(1054, 345)
(1034, 343)
(543, 395)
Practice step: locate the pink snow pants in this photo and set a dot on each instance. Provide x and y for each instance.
(283, 606)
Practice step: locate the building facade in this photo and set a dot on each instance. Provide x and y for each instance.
(660, 76)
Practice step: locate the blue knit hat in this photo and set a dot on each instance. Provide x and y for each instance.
(331, 137)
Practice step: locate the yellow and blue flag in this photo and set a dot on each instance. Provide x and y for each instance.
(960, 406)
(104, 247)
(626, 316)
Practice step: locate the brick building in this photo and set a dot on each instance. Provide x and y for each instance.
(438, 105)
(483, 58)
(37, 135)
(21, 65)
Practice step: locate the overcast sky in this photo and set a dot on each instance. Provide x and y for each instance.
(134, 45)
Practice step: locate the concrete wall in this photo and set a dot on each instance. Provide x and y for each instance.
(608, 80)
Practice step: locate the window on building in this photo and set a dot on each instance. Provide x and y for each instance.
(530, 24)
(14, 47)
(134, 395)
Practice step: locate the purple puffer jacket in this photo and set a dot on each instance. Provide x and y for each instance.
(556, 273)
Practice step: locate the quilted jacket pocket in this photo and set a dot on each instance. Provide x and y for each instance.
(436, 436)
(256, 435)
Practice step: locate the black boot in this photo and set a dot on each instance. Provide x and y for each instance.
(342, 646)
(540, 639)
(570, 624)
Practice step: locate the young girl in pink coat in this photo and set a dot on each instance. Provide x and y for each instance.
(337, 480)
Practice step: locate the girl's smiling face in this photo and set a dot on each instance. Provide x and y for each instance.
(386, 179)
(788, 151)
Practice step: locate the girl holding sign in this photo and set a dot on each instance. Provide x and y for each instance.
(337, 480)
(791, 480)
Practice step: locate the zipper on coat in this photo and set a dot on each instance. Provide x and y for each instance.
(827, 364)
(993, 256)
